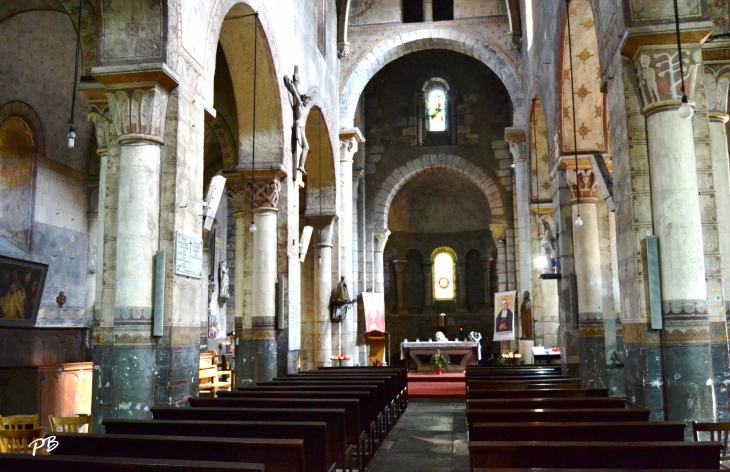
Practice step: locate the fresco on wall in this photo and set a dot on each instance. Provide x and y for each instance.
(16, 180)
(21, 288)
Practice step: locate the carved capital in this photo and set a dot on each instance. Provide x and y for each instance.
(349, 143)
(400, 266)
(265, 194)
(583, 182)
(238, 197)
(343, 49)
(517, 143)
(717, 82)
(100, 115)
(659, 77)
(381, 238)
(499, 232)
(139, 114)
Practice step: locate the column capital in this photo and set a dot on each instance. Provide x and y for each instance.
(381, 238)
(583, 182)
(343, 49)
(265, 194)
(658, 74)
(325, 227)
(100, 115)
(350, 138)
(238, 197)
(517, 143)
(399, 265)
(487, 263)
(138, 114)
(499, 232)
(717, 81)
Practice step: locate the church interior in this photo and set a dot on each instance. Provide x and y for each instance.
(368, 234)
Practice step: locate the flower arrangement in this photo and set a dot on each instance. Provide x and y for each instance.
(440, 361)
(475, 336)
(375, 362)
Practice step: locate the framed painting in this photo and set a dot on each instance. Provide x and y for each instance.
(21, 288)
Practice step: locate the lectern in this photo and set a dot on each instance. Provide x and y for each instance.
(379, 343)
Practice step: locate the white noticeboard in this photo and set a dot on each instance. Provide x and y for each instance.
(295, 305)
(188, 255)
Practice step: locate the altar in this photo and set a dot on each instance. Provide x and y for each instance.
(459, 353)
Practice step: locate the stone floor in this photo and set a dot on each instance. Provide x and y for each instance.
(430, 437)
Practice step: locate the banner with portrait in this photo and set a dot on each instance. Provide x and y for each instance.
(504, 316)
(374, 307)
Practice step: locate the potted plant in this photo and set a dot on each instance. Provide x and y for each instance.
(439, 362)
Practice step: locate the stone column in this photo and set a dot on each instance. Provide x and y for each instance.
(240, 202)
(516, 139)
(498, 235)
(400, 268)
(380, 238)
(427, 10)
(323, 334)
(125, 356)
(677, 224)
(263, 282)
(461, 286)
(591, 342)
(428, 289)
(349, 140)
(487, 267)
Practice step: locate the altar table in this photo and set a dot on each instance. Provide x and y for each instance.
(459, 353)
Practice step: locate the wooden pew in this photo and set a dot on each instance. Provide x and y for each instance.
(333, 418)
(568, 455)
(475, 415)
(521, 382)
(57, 463)
(545, 403)
(354, 434)
(557, 392)
(595, 470)
(314, 434)
(592, 432)
(402, 374)
(282, 455)
(366, 400)
(481, 376)
(527, 385)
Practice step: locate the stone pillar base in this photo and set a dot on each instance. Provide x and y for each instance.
(526, 350)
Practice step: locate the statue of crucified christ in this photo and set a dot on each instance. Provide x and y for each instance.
(299, 104)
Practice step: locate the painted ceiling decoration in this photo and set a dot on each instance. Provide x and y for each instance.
(540, 189)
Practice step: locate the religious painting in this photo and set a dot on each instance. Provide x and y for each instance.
(504, 316)
(16, 182)
(374, 307)
(21, 288)
(436, 111)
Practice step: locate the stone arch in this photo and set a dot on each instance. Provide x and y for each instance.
(430, 163)
(407, 42)
(237, 42)
(322, 180)
(26, 113)
(591, 118)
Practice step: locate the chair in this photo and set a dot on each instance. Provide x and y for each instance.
(17, 441)
(718, 432)
(19, 422)
(210, 380)
(73, 424)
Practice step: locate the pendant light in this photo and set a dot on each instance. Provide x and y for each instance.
(540, 261)
(578, 220)
(71, 129)
(253, 228)
(685, 110)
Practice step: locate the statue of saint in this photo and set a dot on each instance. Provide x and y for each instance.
(299, 104)
(526, 316)
(223, 278)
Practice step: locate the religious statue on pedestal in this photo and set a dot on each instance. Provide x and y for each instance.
(299, 104)
(526, 317)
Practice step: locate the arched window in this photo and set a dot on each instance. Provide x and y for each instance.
(435, 92)
(16, 182)
(443, 276)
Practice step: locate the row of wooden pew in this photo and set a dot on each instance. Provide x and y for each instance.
(319, 421)
(528, 417)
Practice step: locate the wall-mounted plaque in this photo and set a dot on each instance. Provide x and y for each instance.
(188, 255)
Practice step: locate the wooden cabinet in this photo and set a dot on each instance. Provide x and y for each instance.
(57, 390)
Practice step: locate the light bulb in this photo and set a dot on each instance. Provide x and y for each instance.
(579, 221)
(685, 111)
(252, 228)
(71, 137)
(541, 262)
(319, 259)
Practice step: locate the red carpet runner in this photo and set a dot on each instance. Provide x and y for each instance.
(446, 385)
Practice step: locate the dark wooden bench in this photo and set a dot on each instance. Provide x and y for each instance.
(546, 403)
(570, 455)
(537, 393)
(58, 463)
(333, 418)
(594, 470)
(353, 432)
(314, 434)
(475, 415)
(482, 376)
(282, 455)
(527, 385)
(591, 432)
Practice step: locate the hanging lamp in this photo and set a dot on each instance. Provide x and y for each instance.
(71, 129)
(685, 110)
(578, 220)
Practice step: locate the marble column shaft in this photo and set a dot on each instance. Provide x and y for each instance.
(428, 288)
(721, 180)
(380, 238)
(323, 329)
(400, 268)
(516, 139)
(461, 285)
(427, 10)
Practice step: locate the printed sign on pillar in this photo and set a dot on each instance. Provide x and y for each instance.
(374, 306)
(504, 316)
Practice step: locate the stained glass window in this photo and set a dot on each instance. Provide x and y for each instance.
(437, 110)
(443, 276)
